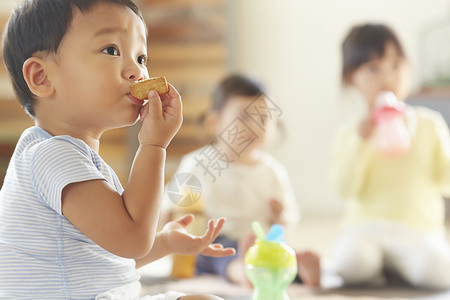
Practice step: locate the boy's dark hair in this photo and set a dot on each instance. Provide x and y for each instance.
(235, 85)
(365, 42)
(40, 26)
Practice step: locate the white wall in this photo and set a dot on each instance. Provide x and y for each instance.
(294, 46)
(7, 5)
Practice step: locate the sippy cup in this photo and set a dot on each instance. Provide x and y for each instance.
(392, 135)
(271, 264)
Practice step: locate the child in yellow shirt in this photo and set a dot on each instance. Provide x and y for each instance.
(395, 218)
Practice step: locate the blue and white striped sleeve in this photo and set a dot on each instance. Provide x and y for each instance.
(58, 162)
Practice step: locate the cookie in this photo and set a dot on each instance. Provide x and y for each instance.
(141, 88)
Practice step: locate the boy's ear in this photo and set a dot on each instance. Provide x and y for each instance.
(35, 75)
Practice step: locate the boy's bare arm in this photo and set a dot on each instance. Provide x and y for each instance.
(126, 224)
(121, 225)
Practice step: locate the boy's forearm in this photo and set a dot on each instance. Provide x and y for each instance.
(143, 192)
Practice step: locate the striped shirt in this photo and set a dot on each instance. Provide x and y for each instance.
(42, 255)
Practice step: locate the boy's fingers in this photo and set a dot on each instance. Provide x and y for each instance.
(211, 234)
(218, 252)
(154, 105)
(172, 93)
(213, 231)
(218, 228)
(216, 246)
(185, 220)
(207, 237)
(172, 100)
(144, 112)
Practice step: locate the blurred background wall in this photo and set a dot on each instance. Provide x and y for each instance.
(294, 47)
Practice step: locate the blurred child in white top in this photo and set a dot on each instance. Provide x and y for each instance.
(240, 180)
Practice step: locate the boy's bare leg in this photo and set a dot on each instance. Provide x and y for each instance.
(309, 268)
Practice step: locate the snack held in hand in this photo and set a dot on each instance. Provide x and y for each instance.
(141, 88)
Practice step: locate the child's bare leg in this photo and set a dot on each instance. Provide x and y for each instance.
(236, 272)
(309, 268)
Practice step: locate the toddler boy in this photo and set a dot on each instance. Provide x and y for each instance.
(68, 230)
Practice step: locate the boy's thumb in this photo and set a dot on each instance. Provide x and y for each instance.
(154, 104)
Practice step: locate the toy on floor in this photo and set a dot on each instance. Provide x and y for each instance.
(271, 264)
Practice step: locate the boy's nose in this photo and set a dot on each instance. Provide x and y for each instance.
(135, 78)
(133, 72)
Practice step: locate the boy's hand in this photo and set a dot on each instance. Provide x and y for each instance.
(179, 241)
(161, 118)
(276, 211)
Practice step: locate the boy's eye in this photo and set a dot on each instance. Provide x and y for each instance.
(143, 60)
(111, 50)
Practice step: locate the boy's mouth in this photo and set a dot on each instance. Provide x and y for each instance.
(136, 101)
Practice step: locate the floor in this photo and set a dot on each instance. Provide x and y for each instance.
(316, 234)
